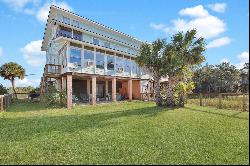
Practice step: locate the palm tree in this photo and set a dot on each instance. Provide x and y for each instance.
(152, 60)
(188, 52)
(171, 59)
(10, 71)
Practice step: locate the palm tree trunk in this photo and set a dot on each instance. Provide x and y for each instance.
(13, 86)
(170, 102)
(157, 90)
(182, 100)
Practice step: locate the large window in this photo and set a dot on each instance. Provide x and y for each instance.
(127, 66)
(99, 60)
(96, 41)
(75, 56)
(134, 67)
(110, 62)
(119, 65)
(88, 58)
(88, 55)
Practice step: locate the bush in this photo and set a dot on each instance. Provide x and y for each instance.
(53, 97)
(3, 90)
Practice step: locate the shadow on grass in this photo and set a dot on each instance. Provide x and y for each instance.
(19, 129)
(235, 115)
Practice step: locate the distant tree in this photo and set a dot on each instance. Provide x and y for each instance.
(220, 78)
(10, 71)
(228, 77)
(27, 89)
(244, 74)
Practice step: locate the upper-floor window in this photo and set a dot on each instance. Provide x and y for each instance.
(66, 20)
(77, 35)
(75, 56)
(88, 55)
(96, 41)
(107, 44)
(99, 60)
(110, 62)
(128, 50)
(88, 58)
(75, 23)
(63, 31)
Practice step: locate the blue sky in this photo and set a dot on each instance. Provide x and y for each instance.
(224, 24)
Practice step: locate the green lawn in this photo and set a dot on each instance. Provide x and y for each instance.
(123, 133)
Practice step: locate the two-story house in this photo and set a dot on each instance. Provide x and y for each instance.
(91, 61)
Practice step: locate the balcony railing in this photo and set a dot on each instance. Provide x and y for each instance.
(52, 69)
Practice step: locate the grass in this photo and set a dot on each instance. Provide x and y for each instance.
(230, 102)
(122, 133)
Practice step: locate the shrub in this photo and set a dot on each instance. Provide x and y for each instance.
(54, 97)
(3, 90)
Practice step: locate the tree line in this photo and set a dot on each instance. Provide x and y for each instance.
(221, 78)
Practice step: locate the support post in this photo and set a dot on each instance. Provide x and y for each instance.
(1, 101)
(62, 83)
(200, 99)
(69, 90)
(93, 101)
(220, 98)
(106, 87)
(88, 87)
(113, 89)
(244, 107)
(130, 91)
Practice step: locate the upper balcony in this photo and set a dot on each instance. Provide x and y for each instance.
(80, 36)
(52, 70)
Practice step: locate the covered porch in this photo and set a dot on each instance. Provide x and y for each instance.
(85, 88)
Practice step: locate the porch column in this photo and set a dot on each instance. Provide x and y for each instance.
(130, 89)
(69, 90)
(106, 87)
(62, 83)
(88, 87)
(93, 101)
(113, 89)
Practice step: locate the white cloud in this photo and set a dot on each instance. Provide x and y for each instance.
(33, 7)
(43, 12)
(219, 42)
(218, 7)
(207, 26)
(243, 58)
(224, 60)
(19, 4)
(197, 11)
(32, 53)
(1, 51)
(157, 26)
(27, 82)
(29, 11)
